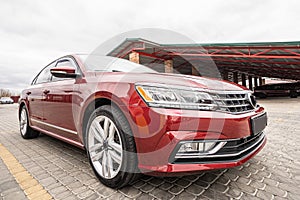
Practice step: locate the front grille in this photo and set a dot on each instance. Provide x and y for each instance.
(234, 102)
(233, 150)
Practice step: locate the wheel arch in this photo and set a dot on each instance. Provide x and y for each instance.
(22, 103)
(98, 100)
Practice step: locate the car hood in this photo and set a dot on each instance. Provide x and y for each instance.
(168, 79)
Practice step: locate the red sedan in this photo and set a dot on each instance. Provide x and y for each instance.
(131, 119)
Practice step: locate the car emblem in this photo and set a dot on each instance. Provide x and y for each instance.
(252, 100)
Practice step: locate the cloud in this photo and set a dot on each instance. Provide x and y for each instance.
(33, 33)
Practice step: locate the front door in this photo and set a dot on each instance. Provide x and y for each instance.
(58, 104)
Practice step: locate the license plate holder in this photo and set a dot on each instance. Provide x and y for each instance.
(258, 123)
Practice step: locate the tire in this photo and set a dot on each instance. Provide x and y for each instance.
(111, 147)
(26, 131)
(293, 94)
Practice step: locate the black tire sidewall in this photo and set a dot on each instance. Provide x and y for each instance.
(30, 133)
(27, 134)
(127, 162)
(293, 94)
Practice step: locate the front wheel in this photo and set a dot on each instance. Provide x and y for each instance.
(111, 147)
(293, 94)
(26, 131)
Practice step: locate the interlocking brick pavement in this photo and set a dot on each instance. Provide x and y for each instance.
(64, 171)
(9, 188)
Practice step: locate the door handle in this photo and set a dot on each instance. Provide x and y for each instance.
(28, 93)
(46, 91)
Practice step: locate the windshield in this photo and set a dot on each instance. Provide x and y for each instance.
(112, 64)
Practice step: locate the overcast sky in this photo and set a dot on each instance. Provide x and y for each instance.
(33, 33)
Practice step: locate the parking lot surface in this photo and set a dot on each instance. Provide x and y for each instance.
(63, 171)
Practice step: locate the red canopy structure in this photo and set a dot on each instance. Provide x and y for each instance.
(235, 61)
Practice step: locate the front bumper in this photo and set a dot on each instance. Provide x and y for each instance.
(160, 131)
(183, 168)
(233, 150)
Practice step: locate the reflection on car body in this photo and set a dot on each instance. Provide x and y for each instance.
(6, 100)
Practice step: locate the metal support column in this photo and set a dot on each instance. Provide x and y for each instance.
(255, 81)
(260, 81)
(250, 83)
(236, 77)
(244, 80)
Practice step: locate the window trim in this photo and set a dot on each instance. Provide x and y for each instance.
(73, 62)
(69, 58)
(36, 77)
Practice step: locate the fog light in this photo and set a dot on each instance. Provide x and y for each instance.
(196, 147)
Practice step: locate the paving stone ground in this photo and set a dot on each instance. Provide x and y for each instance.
(64, 171)
(9, 188)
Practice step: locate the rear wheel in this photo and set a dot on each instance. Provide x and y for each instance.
(26, 131)
(293, 94)
(111, 147)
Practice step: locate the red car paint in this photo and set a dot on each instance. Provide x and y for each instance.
(157, 131)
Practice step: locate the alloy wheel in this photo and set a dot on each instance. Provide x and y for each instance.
(105, 147)
(23, 122)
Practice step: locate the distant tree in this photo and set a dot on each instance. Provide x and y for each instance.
(5, 93)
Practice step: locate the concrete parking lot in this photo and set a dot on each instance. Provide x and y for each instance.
(61, 171)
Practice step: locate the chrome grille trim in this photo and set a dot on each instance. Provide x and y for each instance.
(235, 106)
(198, 155)
(240, 99)
(214, 150)
(233, 102)
(234, 150)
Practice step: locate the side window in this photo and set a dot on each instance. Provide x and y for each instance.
(45, 75)
(65, 62)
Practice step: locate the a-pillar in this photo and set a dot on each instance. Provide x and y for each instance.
(236, 77)
(244, 80)
(134, 57)
(250, 83)
(168, 66)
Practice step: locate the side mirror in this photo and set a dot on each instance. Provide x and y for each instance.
(63, 72)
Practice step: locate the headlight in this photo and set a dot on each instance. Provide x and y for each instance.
(172, 97)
